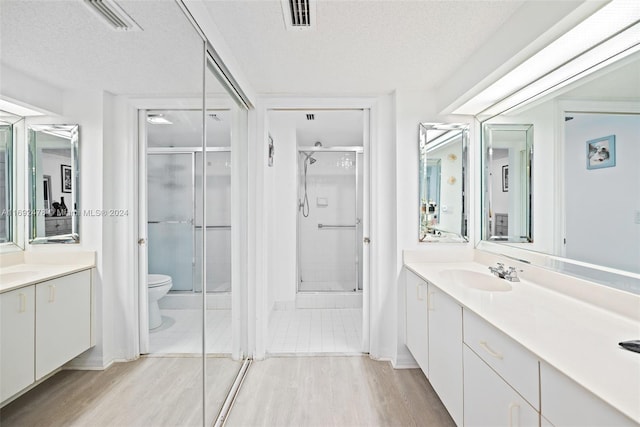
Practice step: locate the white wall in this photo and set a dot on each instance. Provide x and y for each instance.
(411, 108)
(282, 200)
(601, 204)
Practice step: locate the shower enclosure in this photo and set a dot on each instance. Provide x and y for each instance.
(174, 178)
(329, 225)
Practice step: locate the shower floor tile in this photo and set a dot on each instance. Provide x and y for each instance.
(300, 331)
(180, 332)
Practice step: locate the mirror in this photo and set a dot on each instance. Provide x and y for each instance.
(7, 179)
(507, 152)
(585, 203)
(53, 183)
(443, 182)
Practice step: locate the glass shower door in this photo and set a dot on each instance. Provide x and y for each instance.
(329, 226)
(218, 220)
(170, 217)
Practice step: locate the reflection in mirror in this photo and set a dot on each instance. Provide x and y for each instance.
(7, 178)
(508, 151)
(6, 182)
(53, 183)
(601, 177)
(586, 219)
(442, 182)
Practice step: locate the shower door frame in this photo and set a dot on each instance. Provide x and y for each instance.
(356, 150)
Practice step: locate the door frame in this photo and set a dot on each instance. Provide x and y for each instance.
(238, 281)
(259, 311)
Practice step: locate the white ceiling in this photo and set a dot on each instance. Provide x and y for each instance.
(65, 44)
(333, 128)
(358, 46)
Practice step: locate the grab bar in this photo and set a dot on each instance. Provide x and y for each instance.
(218, 227)
(320, 226)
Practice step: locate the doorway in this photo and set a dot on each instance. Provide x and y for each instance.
(175, 231)
(318, 286)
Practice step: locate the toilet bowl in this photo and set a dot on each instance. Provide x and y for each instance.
(158, 285)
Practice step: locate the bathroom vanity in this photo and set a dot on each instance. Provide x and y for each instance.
(46, 320)
(523, 352)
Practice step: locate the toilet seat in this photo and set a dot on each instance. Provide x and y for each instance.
(155, 280)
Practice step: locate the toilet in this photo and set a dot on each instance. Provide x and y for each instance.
(158, 285)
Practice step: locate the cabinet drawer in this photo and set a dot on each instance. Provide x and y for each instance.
(489, 400)
(510, 360)
(566, 403)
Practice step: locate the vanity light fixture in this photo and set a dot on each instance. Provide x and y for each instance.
(612, 31)
(158, 119)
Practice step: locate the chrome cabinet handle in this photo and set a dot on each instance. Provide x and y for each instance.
(52, 293)
(418, 295)
(490, 351)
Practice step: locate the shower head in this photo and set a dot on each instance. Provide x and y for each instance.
(309, 157)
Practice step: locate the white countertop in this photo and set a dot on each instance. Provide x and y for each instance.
(20, 275)
(577, 338)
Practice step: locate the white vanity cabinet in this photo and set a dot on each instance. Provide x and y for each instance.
(445, 350)
(417, 334)
(63, 320)
(44, 325)
(17, 317)
(566, 403)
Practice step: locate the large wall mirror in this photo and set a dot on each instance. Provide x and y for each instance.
(585, 213)
(506, 166)
(53, 184)
(443, 182)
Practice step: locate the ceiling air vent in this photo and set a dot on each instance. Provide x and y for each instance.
(113, 14)
(299, 14)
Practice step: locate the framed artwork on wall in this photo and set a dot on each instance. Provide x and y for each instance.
(505, 178)
(601, 152)
(65, 178)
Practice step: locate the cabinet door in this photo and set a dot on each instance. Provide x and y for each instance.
(489, 400)
(17, 328)
(445, 350)
(565, 403)
(417, 340)
(63, 320)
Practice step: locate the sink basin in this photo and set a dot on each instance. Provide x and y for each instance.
(475, 280)
(16, 276)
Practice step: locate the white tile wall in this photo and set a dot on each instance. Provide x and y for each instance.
(309, 331)
(181, 332)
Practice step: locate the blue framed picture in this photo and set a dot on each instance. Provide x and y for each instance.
(601, 152)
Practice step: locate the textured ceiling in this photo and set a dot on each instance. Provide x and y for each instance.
(65, 44)
(358, 46)
(332, 128)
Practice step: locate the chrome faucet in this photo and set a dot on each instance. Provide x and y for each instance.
(512, 275)
(499, 271)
